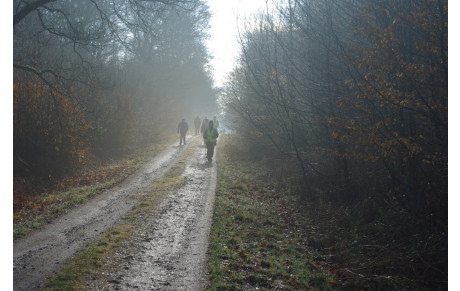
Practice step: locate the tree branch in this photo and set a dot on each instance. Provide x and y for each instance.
(29, 8)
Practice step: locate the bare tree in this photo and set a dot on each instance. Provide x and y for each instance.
(129, 65)
(352, 81)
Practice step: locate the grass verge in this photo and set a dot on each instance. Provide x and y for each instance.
(264, 237)
(97, 264)
(257, 238)
(39, 210)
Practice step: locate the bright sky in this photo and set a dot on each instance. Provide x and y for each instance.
(228, 16)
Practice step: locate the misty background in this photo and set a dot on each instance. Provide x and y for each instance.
(352, 94)
(105, 77)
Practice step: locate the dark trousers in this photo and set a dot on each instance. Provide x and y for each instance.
(197, 129)
(182, 137)
(210, 150)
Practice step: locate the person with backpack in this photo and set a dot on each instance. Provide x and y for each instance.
(182, 129)
(210, 138)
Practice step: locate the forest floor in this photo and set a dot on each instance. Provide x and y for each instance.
(148, 232)
(264, 236)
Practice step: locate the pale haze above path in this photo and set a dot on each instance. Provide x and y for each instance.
(227, 17)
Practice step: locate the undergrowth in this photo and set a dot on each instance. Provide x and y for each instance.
(265, 237)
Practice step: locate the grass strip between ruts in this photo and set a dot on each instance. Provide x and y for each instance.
(96, 262)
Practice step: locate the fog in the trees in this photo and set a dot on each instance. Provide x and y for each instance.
(104, 76)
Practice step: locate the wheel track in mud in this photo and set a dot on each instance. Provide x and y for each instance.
(39, 255)
(168, 249)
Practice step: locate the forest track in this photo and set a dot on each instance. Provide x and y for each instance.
(173, 256)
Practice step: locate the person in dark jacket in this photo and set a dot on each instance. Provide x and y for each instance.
(210, 138)
(197, 123)
(182, 129)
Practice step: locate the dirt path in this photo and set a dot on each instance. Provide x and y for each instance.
(169, 249)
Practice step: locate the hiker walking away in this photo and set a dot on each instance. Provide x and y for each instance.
(182, 129)
(216, 122)
(197, 122)
(210, 137)
(204, 126)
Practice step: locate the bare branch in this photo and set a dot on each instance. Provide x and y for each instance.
(23, 12)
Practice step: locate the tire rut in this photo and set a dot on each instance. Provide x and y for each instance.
(168, 249)
(40, 254)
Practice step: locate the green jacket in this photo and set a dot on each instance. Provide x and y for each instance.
(211, 135)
